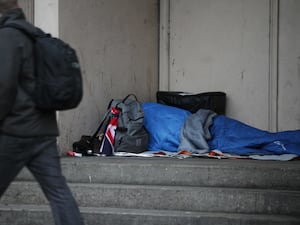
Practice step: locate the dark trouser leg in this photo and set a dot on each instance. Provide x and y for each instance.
(12, 160)
(45, 166)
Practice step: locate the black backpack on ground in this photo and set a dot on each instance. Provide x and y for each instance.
(58, 81)
(89, 145)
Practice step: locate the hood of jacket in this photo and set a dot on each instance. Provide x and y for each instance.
(17, 15)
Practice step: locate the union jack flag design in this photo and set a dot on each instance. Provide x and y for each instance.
(107, 147)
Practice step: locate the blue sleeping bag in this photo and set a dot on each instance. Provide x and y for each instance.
(234, 137)
(163, 124)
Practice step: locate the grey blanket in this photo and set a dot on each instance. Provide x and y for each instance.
(195, 132)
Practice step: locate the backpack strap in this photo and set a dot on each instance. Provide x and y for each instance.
(103, 122)
(20, 27)
(125, 99)
(128, 96)
(33, 35)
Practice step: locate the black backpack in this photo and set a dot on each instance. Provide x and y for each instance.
(58, 81)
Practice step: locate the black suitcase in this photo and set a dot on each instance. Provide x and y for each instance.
(215, 101)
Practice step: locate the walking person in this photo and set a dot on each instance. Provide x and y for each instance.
(27, 134)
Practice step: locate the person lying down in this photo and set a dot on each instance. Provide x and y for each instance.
(174, 129)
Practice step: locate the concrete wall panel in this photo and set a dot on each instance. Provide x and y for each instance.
(46, 16)
(289, 65)
(117, 43)
(223, 46)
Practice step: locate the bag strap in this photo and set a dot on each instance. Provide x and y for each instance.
(128, 96)
(21, 28)
(31, 34)
(101, 124)
(106, 115)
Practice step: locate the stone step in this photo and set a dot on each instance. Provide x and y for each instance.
(208, 199)
(181, 172)
(37, 215)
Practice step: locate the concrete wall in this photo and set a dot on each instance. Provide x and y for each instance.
(117, 43)
(289, 65)
(222, 46)
(46, 16)
(246, 48)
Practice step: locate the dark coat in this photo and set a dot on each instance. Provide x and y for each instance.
(18, 114)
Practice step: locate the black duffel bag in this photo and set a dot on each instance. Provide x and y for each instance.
(215, 101)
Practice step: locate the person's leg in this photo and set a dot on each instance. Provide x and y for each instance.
(13, 157)
(45, 166)
(232, 136)
(235, 137)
